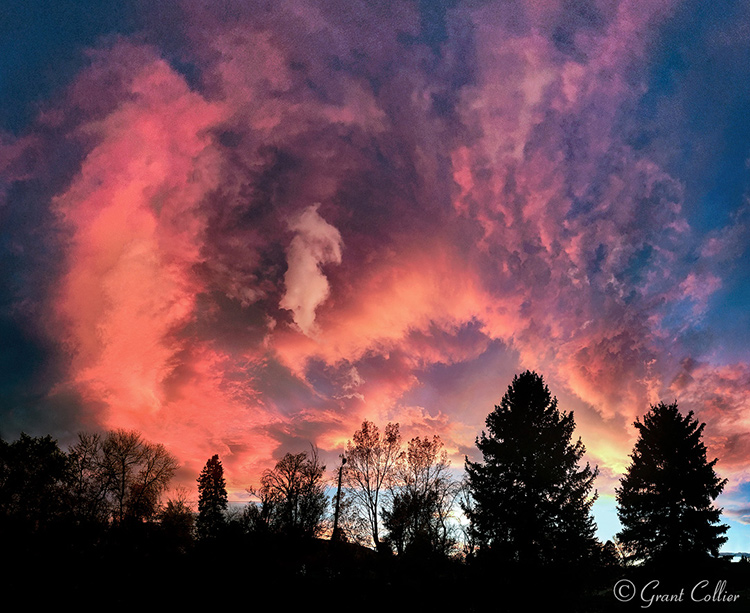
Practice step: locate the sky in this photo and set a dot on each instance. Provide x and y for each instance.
(242, 228)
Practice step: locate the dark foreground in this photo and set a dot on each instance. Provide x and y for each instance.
(136, 570)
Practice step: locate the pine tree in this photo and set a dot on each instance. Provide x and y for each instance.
(212, 499)
(665, 498)
(531, 503)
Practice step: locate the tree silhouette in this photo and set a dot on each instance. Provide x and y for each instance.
(118, 476)
(417, 518)
(292, 496)
(177, 520)
(665, 498)
(531, 502)
(137, 473)
(89, 481)
(371, 461)
(33, 481)
(212, 499)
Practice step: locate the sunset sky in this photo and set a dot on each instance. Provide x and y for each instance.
(241, 228)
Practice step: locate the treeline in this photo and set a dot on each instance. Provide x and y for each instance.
(406, 491)
(103, 480)
(93, 519)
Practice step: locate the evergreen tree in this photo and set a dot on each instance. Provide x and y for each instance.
(665, 498)
(530, 501)
(212, 499)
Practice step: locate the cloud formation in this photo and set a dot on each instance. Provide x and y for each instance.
(275, 221)
(315, 244)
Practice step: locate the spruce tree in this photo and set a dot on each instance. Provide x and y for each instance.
(531, 502)
(212, 499)
(665, 499)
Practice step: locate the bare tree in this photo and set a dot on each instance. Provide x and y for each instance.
(292, 496)
(120, 476)
(122, 453)
(150, 480)
(422, 499)
(89, 481)
(371, 462)
(354, 526)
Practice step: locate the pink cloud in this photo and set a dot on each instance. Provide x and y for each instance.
(315, 244)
